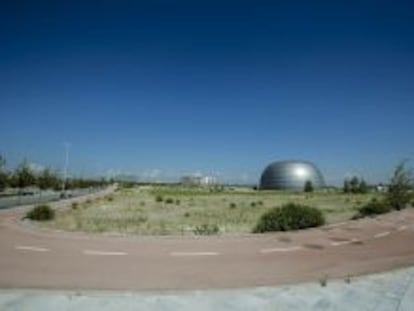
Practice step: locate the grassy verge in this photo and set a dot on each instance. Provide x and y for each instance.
(183, 211)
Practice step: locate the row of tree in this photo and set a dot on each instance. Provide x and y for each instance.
(24, 176)
(355, 185)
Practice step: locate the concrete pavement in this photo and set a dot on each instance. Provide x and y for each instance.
(391, 291)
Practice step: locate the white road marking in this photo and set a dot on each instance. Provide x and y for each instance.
(280, 249)
(103, 253)
(401, 228)
(183, 254)
(381, 235)
(345, 242)
(31, 248)
(337, 224)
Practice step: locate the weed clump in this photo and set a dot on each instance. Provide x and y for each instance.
(206, 229)
(290, 216)
(372, 208)
(169, 201)
(41, 213)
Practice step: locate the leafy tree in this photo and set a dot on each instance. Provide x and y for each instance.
(24, 175)
(308, 186)
(354, 183)
(362, 187)
(48, 180)
(347, 186)
(3, 174)
(399, 191)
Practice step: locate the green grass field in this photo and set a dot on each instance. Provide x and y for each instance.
(175, 210)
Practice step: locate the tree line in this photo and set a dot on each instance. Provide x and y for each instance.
(24, 176)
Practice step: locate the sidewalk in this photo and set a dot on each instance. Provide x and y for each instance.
(385, 291)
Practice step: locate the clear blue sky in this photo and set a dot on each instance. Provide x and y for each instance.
(172, 87)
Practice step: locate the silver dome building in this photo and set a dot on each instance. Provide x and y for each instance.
(290, 175)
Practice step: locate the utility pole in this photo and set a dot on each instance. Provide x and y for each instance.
(65, 168)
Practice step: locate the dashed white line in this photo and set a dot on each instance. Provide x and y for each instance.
(401, 228)
(346, 242)
(382, 234)
(337, 224)
(31, 248)
(280, 249)
(183, 254)
(103, 253)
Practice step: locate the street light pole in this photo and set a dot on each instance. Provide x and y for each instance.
(65, 168)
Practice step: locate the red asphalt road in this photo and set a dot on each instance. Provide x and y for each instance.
(36, 258)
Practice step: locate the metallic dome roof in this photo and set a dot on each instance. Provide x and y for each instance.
(291, 175)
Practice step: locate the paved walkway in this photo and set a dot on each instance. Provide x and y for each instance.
(386, 291)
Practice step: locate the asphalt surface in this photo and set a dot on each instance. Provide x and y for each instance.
(44, 259)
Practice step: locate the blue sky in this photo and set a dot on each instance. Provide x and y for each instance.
(164, 88)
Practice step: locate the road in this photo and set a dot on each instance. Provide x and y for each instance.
(43, 196)
(40, 258)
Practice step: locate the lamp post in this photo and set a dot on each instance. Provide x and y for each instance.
(65, 168)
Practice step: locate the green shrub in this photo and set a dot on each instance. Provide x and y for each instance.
(232, 205)
(159, 198)
(206, 229)
(169, 201)
(109, 198)
(75, 205)
(290, 216)
(41, 212)
(374, 207)
(253, 204)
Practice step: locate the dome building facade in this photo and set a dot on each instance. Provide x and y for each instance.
(290, 175)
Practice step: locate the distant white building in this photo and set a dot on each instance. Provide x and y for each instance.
(198, 180)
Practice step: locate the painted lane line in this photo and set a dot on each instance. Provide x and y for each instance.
(183, 254)
(401, 228)
(352, 241)
(280, 249)
(382, 234)
(337, 224)
(103, 253)
(31, 248)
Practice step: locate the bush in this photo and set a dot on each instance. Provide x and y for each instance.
(206, 229)
(232, 205)
(41, 212)
(289, 217)
(169, 201)
(75, 205)
(375, 207)
(159, 198)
